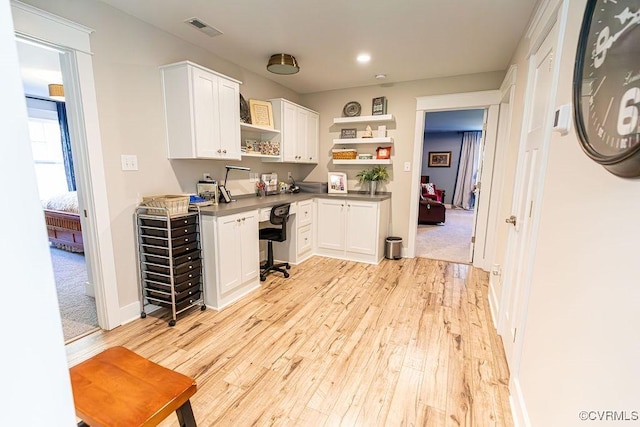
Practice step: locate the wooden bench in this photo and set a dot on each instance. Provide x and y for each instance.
(119, 387)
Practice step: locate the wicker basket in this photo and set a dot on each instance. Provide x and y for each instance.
(344, 154)
(175, 205)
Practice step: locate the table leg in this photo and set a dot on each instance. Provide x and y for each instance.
(185, 415)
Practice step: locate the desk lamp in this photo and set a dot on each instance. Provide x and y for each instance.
(224, 193)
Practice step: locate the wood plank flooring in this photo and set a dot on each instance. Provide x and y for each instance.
(407, 342)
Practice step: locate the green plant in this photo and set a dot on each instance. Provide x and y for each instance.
(376, 173)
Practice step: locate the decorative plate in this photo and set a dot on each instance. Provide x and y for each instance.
(351, 109)
(244, 111)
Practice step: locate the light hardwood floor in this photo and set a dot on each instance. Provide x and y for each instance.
(407, 342)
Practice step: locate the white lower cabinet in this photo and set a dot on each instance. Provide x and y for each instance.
(231, 255)
(352, 229)
(299, 244)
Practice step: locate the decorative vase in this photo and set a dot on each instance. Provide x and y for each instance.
(372, 188)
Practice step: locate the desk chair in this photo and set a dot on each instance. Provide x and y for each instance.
(279, 216)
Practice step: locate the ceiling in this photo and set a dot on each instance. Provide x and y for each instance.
(407, 39)
(451, 121)
(39, 67)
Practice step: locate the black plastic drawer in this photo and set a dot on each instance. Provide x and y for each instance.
(175, 241)
(163, 232)
(166, 296)
(178, 269)
(164, 251)
(164, 278)
(164, 260)
(181, 305)
(175, 222)
(193, 283)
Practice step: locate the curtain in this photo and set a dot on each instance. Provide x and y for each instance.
(66, 146)
(463, 196)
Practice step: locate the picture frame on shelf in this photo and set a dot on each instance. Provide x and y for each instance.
(349, 133)
(383, 153)
(439, 159)
(261, 113)
(379, 106)
(337, 182)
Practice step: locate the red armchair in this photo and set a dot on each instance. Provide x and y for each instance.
(429, 191)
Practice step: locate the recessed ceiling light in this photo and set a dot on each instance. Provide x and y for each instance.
(364, 57)
(381, 76)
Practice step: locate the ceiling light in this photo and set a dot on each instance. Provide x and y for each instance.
(283, 63)
(56, 91)
(364, 57)
(381, 76)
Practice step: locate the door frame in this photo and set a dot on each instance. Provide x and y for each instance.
(489, 100)
(44, 28)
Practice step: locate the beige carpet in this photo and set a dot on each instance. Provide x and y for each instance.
(449, 241)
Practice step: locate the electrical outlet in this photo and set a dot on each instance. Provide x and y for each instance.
(288, 175)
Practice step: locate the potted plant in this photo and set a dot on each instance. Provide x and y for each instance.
(373, 176)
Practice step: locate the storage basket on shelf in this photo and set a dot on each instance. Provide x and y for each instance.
(344, 154)
(174, 204)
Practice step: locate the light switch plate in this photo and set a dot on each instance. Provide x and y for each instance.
(129, 162)
(407, 166)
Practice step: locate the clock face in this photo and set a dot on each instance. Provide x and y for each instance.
(607, 85)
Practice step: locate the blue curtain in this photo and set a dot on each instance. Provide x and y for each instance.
(66, 146)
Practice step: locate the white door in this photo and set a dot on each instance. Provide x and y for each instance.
(289, 129)
(250, 256)
(229, 108)
(478, 187)
(330, 224)
(301, 133)
(527, 193)
(361, 227)
(312, 137)
(228, 253)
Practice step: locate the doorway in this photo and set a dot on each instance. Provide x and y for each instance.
(57, 188)
(451, 159)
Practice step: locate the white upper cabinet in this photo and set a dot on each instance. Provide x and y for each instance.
(298, 131)
(202, 112)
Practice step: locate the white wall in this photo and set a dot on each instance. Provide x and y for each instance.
(581, 346)
(34, 391)
(401, 100)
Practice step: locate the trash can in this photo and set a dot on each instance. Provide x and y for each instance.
(393, 248)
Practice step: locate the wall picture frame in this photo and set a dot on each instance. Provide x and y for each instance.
(439, 159)
(379, 106)
(337, 182)
(261, 113)
(348, 133)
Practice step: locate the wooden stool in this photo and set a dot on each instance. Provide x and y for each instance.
(118, 387)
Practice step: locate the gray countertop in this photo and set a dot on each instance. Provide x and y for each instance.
(246, 203)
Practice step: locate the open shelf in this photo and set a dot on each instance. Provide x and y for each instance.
(385, 140)
(262, 156)
(363, 162)
(364, 119)
(254, 128)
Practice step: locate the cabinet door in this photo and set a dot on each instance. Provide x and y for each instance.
(304, 212)
(229, 96)
(304, 239)
(362, 227)
(301, 133)
(229, 253)
(312, 137)
(206, 113)
(289, 131)
(250, 255)
(331, 223)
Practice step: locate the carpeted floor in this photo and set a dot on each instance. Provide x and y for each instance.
(449, 241)
(78, 311)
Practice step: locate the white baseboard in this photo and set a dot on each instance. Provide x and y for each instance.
(89, 290)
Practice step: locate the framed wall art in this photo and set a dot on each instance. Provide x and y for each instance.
(261, 113)
(439, 159)
(348, 133)
(337, 182)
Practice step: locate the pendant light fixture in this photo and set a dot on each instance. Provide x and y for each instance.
(56, 91)
(283, 63)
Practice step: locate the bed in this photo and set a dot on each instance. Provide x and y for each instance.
(63, 222)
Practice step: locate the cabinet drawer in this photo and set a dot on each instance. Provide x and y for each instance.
(305, 213)
(166, 295)
(163, 232)
(193, 283)
(178, 250)
(175, 222)
(180, 305)
(305, 242)
(164, 278)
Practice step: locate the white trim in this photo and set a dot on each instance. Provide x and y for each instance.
(77, 69)
(518, 406)
(455, 101)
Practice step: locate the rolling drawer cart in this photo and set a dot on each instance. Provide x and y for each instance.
(169, 260)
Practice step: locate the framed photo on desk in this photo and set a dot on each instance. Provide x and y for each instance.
(337, 182)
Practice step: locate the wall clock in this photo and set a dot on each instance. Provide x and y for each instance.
(606, 85)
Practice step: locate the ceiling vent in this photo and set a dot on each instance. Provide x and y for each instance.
(205, 28)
